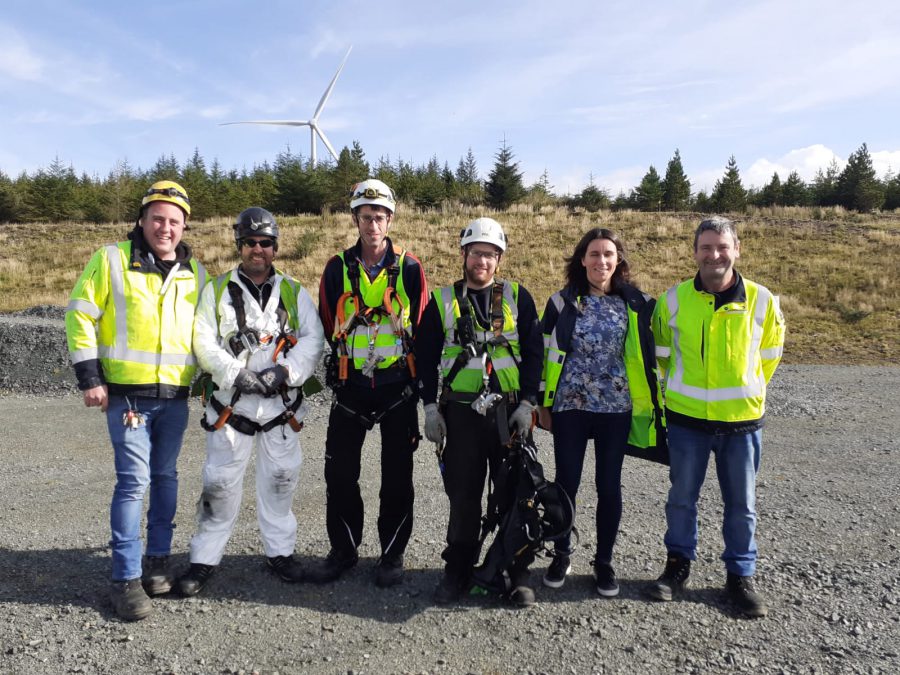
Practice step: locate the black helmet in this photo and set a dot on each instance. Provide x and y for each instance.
(255, 221)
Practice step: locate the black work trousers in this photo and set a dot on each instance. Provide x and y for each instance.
(343, 454)
(472, 453)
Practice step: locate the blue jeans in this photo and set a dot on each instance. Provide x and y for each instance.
(737, 463)
(145, 456)
(571, 431)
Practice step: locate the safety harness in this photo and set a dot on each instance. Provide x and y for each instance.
(369, 317)
(250, 339)
(490, 400)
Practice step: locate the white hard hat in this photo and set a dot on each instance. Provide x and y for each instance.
(374, 192)
(485, 230)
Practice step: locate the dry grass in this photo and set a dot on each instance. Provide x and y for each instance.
(837, 278)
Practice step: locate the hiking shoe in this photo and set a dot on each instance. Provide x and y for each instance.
(286, 568)
(740, 590)
(673, 579)
(129, 600)
(555, 576)
(389, 571)
(605, 577)
(335, 564)
(157, 577)
(449, 589)
(522, 596)
(195, 579)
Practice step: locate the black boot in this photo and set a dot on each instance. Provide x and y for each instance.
(195, 579)
(335, 564)
(673, 579)
(740, 590)
(286, 568)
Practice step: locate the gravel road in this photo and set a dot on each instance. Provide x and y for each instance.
(828, 538)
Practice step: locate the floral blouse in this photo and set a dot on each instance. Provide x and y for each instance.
(593, 377)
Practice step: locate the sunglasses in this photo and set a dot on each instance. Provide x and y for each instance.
(263, 243)
(168, 192)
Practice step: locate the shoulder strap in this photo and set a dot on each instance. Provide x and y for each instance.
(497, 309)
(237, 301)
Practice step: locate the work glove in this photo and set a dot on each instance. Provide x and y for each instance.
(522, 418)
(247, 382)
(272, 379)
(435, 426)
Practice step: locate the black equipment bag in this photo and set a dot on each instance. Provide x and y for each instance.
(527, 510)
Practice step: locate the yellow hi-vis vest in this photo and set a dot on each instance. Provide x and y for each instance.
(503, 359)
(138, 324)
(644, 414)
(717, 362)
(380, 334)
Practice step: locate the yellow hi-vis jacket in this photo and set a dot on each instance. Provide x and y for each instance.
(646, 437)
(717, 362)
(380, 335)
(138, 324)
(504, 357)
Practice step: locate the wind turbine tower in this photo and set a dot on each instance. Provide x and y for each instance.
(312, 122)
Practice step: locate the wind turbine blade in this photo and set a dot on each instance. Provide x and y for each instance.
(325, 141)
(330, 87)
(288, 123)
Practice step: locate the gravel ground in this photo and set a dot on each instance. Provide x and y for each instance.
(828, 538)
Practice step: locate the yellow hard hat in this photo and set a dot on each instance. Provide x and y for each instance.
(167, 191)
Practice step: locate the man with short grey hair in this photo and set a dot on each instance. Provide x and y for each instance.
(719, 338)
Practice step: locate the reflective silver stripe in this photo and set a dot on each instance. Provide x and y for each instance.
(117, 285)
(86, 354)
(726, 394)
(550, 341)
(676, 369)
(547, 339)
(362, 352)
(86, 307)
(556, 355)
(772, 353)
(557, 301)
(446, 364)
(510, 300)
(502, 363)
(148, 358)
(447, 302)
(663, 352)
(201, 280)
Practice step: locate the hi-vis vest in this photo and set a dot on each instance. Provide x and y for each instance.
(717, 362)
(379, 335)
(287, 290)
(138, 324)
(643, 383)
(503, 355)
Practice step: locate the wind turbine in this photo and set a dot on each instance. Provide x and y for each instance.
(312, 122)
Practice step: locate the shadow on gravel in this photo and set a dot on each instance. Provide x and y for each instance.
(580, 587)
(80, 577)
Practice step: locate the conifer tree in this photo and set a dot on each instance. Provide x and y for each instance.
(858, 186)
(824, 185)
(772, 193)
(729, 193)
(470, 191)
(504, 185)
(794, 191)
(649, 194)
(676, 186)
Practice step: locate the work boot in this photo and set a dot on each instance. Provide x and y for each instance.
(555, 576)
(521, 594)
(673, 579)
(335, 564)
(157, 577)
(286, 568)
(389, 571)
(605, 578)
(129, 600)
(740, 590)
(449, 589)
(195, 579)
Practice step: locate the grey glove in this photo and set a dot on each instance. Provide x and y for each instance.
(248, 383)
(435, 426)
(522, 418)
(272, 379)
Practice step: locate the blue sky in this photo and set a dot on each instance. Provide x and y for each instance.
(579, 89)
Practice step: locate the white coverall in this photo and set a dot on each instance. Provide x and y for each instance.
(278, 456)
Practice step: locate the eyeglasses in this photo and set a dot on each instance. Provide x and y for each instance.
(168, 192)
(380, 219)
(263, 243)
(484, 255)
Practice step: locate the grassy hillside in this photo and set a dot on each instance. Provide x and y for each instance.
(837, 274)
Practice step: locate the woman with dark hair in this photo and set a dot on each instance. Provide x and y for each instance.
(600, 383)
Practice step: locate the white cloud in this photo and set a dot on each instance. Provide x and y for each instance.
(886, 160)
(17, 59)
(805, 161)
